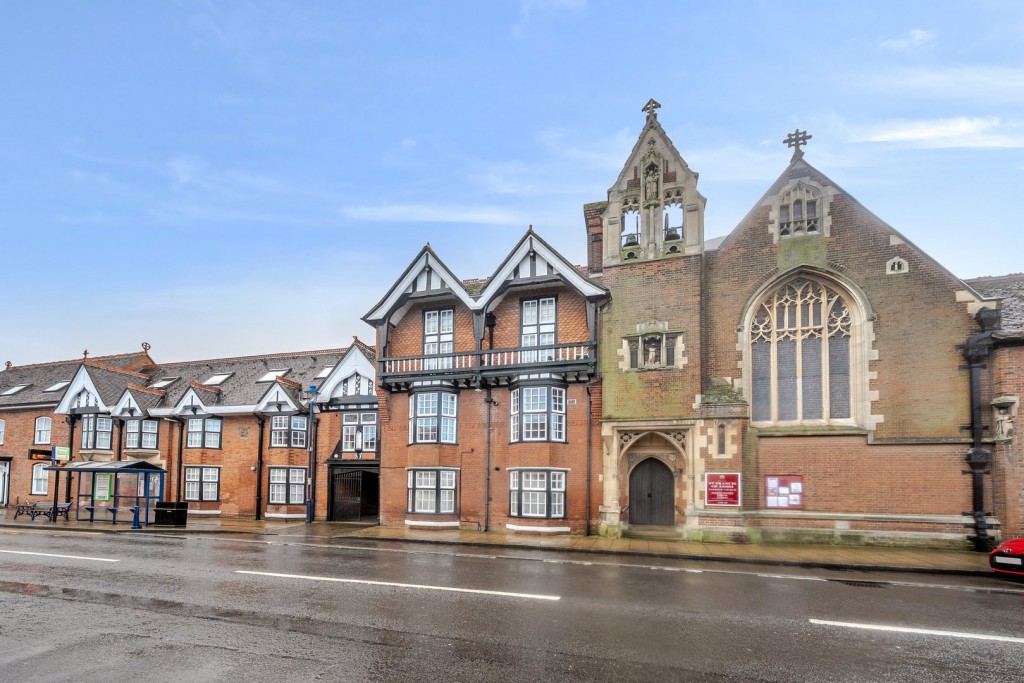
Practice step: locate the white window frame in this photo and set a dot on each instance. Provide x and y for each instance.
(288, 431)
(97, 432)
(44, 430)
(537, 493)
(538, 413)
(142, 433)
(433, 417)
(40, 479)
(3, 428)
(287, 485)
(538, 327)
(432, 491)
(202, 483)
(438, 338)
(351, 423)
(204, 432)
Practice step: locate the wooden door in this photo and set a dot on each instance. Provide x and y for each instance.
(651, 494)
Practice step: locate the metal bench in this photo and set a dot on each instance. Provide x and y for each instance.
(112, 511)
(42, 508)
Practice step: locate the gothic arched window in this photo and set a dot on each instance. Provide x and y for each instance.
(800, 355)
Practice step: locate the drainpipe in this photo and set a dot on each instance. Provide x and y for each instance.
(120, 437)
(590, 412)
(181, 464)
(259, 467)
(487, 462)
(70, 419)
(976, 352)
(314, 460)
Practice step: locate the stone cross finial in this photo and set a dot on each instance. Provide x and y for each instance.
(146, 346)
(796, 139)
(651, 108)
(85, 354)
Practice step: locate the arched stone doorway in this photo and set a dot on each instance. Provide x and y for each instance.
(651, 494)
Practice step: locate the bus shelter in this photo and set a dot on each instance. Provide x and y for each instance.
(106, 490)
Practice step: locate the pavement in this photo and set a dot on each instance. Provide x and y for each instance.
(920, 560)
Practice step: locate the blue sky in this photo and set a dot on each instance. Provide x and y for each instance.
(232, 178)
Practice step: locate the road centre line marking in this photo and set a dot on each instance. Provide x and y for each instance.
(921, 631)
(1000, 590)
(66, 557)
(529, 596)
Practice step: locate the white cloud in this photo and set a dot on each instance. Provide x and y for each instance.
(990, 132)
(913, 39)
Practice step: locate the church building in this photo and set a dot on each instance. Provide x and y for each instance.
(803, 378)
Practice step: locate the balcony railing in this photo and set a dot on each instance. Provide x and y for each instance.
(489, 359)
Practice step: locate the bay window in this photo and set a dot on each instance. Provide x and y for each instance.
(538, 414)
(431, 491)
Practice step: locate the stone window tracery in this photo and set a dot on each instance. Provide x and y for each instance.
(800, 353)
(801, 210)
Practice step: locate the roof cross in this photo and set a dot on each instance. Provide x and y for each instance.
(796, 139)
(85, 354)
(651, 108)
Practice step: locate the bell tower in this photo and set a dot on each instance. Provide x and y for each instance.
(653, 210)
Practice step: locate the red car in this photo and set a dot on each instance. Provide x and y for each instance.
(1008, 557)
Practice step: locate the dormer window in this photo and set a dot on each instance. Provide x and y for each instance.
(217, 379)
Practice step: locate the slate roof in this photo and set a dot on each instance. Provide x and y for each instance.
(242, 387)
(42, 376)
(1010, 289)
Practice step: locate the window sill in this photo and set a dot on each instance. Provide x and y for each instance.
(810, 430)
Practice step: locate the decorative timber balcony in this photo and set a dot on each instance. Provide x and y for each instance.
(490, 366)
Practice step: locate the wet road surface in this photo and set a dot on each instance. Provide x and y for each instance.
(151, 607)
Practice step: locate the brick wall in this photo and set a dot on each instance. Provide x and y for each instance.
(664, 290)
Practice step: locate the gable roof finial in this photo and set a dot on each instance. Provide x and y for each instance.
(796, 139)
(651, 108)
(85, 354)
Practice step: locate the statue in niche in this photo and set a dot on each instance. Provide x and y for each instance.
(652, 350)
(651, 184)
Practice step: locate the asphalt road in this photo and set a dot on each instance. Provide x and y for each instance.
(89, 607)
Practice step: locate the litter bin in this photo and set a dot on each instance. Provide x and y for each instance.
(170, 514)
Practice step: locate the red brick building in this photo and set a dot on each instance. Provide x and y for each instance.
(801, 379)
(488, 403)
(247, 437)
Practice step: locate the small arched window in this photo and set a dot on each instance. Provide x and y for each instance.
(43, 427)
(40, 479)
(800, 354)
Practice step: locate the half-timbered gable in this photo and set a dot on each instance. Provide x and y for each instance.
(509, 387)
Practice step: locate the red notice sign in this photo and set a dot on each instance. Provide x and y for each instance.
(722, 488)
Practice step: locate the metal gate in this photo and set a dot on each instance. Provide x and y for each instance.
(346, 496)
(651, 494)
